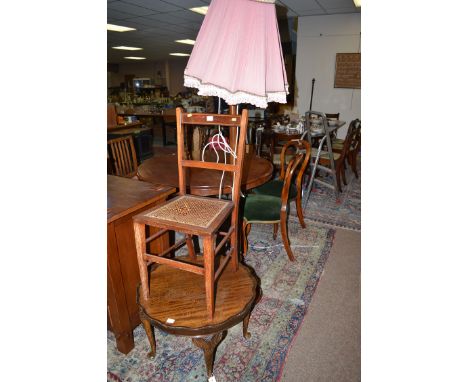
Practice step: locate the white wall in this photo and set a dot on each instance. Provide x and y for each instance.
(319, 38)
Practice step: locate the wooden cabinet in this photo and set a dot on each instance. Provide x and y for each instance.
(125, 198)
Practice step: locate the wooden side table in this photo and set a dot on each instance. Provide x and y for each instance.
(125, 198)
(176, 305)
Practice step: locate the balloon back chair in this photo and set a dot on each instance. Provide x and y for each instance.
(194, 215)
(274, 187)
(273, 209)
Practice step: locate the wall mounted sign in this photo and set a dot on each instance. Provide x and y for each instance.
(348, 70)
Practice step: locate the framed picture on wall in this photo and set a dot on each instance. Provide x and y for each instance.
(348, 70)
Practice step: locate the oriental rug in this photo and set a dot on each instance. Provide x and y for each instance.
(342, 212)
(287, 288)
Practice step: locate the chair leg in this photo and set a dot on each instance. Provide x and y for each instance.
(344, 174)
(300, 215)
(140, 243)
(284, 234)
(234, 243)
(354, 164)
(190, 248)
(245, 232)
(338, 178)
(208, 258)
(275, 230)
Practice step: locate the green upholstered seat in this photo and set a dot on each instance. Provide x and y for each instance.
(275, 187)
(262, 208)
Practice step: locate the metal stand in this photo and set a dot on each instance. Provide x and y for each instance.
(314, 164)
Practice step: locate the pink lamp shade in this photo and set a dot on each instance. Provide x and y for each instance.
(237, 55)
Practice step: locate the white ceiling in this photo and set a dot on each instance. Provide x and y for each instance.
(159, 22)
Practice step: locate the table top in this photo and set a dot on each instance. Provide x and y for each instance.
(131, 130)
(124, 126)
(162, 169)
(180, 295)
(127, 195)
(141, 114)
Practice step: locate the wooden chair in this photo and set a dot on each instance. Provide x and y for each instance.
(354, 148)
(194, 215)
(269, 209)
(122, 156)
(111, 115)
(274, 187)
(339, 156)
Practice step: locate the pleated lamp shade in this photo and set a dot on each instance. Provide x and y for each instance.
(237, 55)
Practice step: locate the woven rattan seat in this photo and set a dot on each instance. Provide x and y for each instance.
(196, 215)
(190, 210)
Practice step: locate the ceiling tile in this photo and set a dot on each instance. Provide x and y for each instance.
(187, 3)
(155, 5)
(300, 5)
(129, 8)
(117, 15)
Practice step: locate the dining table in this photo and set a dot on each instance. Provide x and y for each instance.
(163, 170)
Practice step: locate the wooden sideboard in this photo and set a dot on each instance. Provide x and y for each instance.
(125, 198)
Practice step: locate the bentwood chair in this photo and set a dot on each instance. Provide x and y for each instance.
(194, 215)
(274, 187)
(122, 156)
(271, 209)
(339, 155)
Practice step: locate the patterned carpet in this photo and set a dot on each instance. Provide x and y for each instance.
(287, 291)
(323, 207)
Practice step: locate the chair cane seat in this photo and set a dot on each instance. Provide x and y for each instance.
(199, 212)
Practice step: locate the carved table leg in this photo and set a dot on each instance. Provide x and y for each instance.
(245, 326)
(150, 333)
(208, 346)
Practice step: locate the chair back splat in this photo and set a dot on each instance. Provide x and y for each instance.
(121, 153)
(195, 215)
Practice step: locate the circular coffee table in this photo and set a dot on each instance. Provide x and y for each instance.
(176, 305)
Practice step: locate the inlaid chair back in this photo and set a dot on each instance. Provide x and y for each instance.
(121, 152)
(195, 215)
(202, 120)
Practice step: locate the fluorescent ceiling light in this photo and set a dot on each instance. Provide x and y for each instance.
(200, 10)
(126, 48)
(179, 54)
(119, 28)
(357, 3)
(135, 58)
(186, 41)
